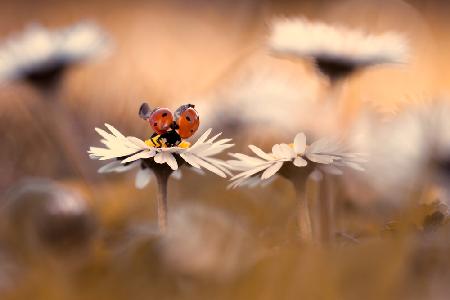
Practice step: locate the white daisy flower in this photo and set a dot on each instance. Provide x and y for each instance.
(326, 154)
(415, 150)
(336, 51)
(40, 56)
(132, 152)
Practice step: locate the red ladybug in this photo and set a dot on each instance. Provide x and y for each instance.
(187, 120)
(160, 119)
(183, 123)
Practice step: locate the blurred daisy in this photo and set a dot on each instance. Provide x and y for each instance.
(336, 51)
(415, 151)
(41, 56)
(328, 155)
(162, 162)
(215, 245)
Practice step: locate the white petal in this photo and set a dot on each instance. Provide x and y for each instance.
(114, 131)
(260, 153)
(171, 161)
(220, 164)
(272, 170)
(211, 140)
(354, 166)
(143, 177)
(104, 134)
(202, 163)
(190, 160)
(159, 158)
(110, 167)
(316, 175)
(320, 158)
(330, 169)
(177, 174)
(300, 162)
(140, 155)
(283, 151)
(198, 171)
(300, 143)
(138, 142)
(251, 172)
(202, 138)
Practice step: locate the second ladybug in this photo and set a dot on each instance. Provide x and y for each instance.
(170, 129)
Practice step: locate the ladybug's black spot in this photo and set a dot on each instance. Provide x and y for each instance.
(164, 115)
(155, 124)
(187, 118)
(192, 130)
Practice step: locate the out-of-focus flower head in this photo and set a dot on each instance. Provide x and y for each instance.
(131, 152)
(411, 149)
(266, 103)
(335, 50)
(41, 214)
(205, 242)
(40, 56)
(329, 155)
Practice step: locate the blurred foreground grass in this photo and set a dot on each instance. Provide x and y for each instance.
(230, 245)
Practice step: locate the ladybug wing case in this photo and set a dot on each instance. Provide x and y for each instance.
(187, 120)
(161, 120)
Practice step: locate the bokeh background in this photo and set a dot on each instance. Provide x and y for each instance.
(230, 244)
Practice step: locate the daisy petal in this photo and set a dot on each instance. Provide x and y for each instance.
(260, 153)
(114, 131)
(272, 170)
(300, 143)
(109, 167)
(140, 155)
(321, 159)
(171, 161)
(143, 177)
(300, 162)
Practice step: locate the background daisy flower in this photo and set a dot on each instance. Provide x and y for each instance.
(328, 155)
(40, 56)
(415, 151)
(336, 51)
(296, 162)
(133, 152)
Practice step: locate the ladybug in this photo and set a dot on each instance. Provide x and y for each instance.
(170, 128)
(160, 119)
(187, 120)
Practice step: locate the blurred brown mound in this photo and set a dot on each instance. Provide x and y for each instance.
(39, 213)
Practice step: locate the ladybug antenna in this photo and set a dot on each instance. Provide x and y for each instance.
(144, 111)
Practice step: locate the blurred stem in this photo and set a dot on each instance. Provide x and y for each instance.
(303, 213)
(313, 197)
(162, 176)
(66, 137)
(327, 209)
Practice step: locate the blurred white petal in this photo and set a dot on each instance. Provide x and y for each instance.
(143, 178)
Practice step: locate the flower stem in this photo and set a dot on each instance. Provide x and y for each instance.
(327, 203)
(162, 176)
(303, 213)
(61, 129)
